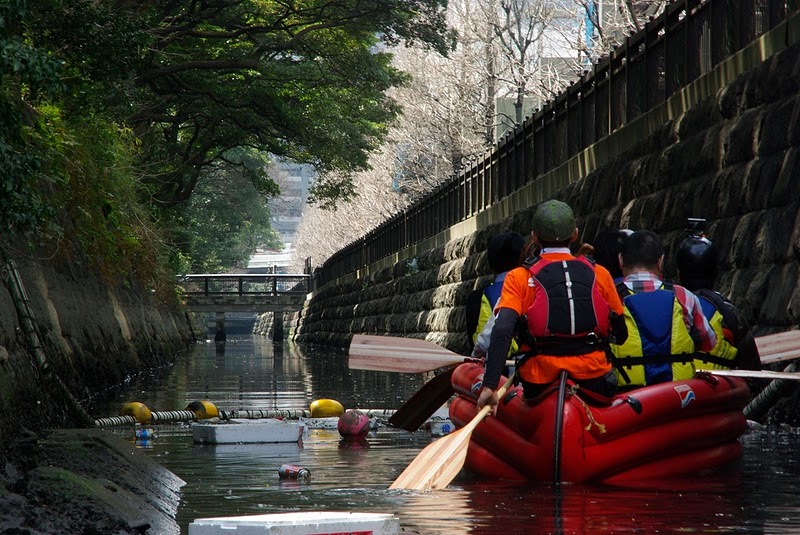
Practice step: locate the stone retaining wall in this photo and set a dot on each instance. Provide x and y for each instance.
(92, 336)
(733, 159)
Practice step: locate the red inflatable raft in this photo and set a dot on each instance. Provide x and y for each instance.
(657, 431)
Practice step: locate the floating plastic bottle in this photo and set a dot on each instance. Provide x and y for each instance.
(291, 471)
(142, 433)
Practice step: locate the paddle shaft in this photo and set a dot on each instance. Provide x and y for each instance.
(754, 374)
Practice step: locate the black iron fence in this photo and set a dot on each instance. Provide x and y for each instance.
(686, 41)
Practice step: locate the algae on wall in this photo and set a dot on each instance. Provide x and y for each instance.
(88, 336)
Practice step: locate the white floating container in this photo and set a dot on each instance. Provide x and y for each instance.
(244, 431)
(309, 523)
(440, 422)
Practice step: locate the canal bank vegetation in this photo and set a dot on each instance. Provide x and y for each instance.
(128, 131)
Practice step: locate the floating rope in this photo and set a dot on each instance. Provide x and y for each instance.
(115, 420)
(188, 416)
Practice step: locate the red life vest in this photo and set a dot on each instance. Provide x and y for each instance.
(569, 314)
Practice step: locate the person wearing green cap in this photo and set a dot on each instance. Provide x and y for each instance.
(570, 308)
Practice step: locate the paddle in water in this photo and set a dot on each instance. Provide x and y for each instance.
(437, 465)
(425, 401)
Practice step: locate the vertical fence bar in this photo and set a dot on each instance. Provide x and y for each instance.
(602, 114)
(587, 110)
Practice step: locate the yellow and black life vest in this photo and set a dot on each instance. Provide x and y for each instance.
(725, 325)
(659, 347)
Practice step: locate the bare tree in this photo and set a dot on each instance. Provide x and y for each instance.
(524, 51)
(608, 22)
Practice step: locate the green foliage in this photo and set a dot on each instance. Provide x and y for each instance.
(226, 218)
(34, 68)
(24, 177)
(304, 80)
(101, 46)
(113, 113)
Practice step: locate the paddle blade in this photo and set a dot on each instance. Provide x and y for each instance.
(419, 407)
(436, 465)
(397, 354)
(779, 347)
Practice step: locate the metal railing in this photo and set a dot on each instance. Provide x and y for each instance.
(246, 284)
(686, 41)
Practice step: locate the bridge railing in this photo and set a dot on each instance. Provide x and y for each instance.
(688, 40)
(246, 284)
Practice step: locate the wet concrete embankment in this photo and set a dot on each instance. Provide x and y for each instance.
(65, 336)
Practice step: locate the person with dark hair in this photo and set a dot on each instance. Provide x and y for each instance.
(606, 248)
(697, 260)
(665, 321)
(503, 253)
(569, 308)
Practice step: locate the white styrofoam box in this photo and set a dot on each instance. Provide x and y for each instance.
(244, 431)
(299, 523)
(442, 413)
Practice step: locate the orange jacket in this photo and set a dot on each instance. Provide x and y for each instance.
(518, 295)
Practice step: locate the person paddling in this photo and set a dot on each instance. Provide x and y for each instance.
(665, 321)
(503, 253)
(697, 259)
(569, 306)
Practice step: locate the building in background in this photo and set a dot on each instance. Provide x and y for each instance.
(294, 180)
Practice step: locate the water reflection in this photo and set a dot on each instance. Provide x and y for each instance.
(757, 495)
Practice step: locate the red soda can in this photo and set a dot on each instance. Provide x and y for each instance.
(291, 471)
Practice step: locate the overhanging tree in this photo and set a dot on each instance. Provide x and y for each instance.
(301, 79)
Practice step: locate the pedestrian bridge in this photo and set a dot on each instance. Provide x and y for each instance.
(277, 292)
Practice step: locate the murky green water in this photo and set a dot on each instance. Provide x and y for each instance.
(760, 494)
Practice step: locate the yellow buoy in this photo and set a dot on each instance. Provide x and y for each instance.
(203, 410)
(326, 408)
(138, 411)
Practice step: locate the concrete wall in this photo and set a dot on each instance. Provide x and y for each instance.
(92, 336)
(726, 149)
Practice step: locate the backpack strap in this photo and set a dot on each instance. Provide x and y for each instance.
(725, 308)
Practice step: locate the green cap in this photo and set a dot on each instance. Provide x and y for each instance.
(553, 221)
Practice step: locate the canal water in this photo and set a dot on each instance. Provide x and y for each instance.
(759, 494)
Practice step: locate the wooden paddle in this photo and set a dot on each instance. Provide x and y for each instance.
(437, 465)
(397, 354)
(419, 407)
(754, 374)
(779, 347)
(412, 355)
